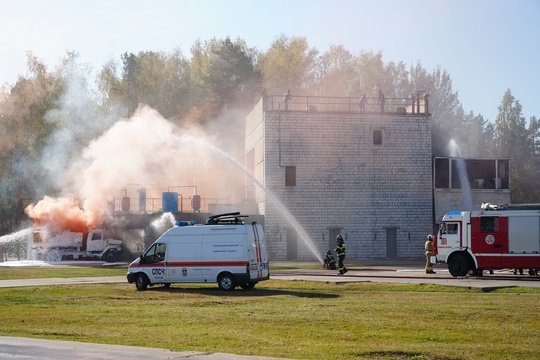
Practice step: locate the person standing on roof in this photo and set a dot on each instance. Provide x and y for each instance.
(428, 247)
(363, 103)
(380, 101)
(286, 99)
(340, 251)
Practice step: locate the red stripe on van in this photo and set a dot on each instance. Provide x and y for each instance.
(193, 264)
(207, 263)
(157, 264)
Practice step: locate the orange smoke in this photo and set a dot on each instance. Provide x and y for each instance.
(63, 213)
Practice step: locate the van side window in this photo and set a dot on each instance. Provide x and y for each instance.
(489, 224)
(154, 254)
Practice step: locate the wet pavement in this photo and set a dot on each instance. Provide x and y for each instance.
(407, 274)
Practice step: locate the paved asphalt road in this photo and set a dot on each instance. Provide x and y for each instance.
(12, 348)
(405, 274)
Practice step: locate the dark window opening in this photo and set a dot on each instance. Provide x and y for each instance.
(478, 173)
(442, 173)
(290, 175)
(377, 137)
(456, 180)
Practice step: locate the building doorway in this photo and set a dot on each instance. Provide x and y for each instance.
(292, 244)
(391, 243)
(332, 235)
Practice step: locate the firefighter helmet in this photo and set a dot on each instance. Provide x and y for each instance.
(339, 238)
(430, 237)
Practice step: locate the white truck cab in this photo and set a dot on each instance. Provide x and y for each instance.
(224, 250)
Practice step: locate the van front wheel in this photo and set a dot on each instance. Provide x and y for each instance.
(141, 282)
(226, 282)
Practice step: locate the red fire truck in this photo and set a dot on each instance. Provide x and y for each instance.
(496, 237)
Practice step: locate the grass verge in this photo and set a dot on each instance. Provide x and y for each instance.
(292, 319)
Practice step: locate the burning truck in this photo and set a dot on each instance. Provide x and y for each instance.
(55, 246)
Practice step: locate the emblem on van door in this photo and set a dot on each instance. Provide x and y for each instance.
(490, 239)
(184, 272)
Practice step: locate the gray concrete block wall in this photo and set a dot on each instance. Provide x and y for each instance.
(345, 181)
(452, 200)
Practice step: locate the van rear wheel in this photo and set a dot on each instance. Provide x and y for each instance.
(141, 282)
(226, 282)
(247, 286)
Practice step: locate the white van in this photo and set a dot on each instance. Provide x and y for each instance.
(225, 250)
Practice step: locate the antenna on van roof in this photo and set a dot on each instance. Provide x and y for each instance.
(227, 218)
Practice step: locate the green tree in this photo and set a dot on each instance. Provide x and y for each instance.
(223, 73)
(160, 80)
(515, 139)
(24, 134)
(288, 64)
(336, 73)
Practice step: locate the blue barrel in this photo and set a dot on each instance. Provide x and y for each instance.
(170, 202)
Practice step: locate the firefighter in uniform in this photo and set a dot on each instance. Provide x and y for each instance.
(428, 247)
(340, 251)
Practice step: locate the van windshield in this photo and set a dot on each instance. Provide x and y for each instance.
(155, 253)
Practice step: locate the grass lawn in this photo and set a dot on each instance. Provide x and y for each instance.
(293, 319)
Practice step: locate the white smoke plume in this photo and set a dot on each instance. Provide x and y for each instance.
(144, 149)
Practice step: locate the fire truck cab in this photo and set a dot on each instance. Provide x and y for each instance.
(495, 237)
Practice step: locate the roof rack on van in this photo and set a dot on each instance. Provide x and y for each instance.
(227, 218)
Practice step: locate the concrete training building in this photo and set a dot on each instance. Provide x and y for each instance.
(364, 175)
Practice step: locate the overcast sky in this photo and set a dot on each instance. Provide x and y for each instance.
(487, 46)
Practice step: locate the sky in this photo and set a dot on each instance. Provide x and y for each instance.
(487, 46)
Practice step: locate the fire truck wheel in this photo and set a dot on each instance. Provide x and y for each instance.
(458, 265)
(110, 256)
(247, 286)
(226, 281)
(141, 282)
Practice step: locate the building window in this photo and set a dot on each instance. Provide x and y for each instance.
(290, 175)
(377, 137)
(489, 224)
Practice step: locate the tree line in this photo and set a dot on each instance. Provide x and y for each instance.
(220, 74)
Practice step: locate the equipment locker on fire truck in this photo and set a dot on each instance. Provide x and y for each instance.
(225, 250)
(495, 237)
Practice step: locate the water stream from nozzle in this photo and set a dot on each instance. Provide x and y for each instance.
(455, 151)
(271, 197)
(17, 244)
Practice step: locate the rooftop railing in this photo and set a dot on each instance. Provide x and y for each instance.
(415, 104)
